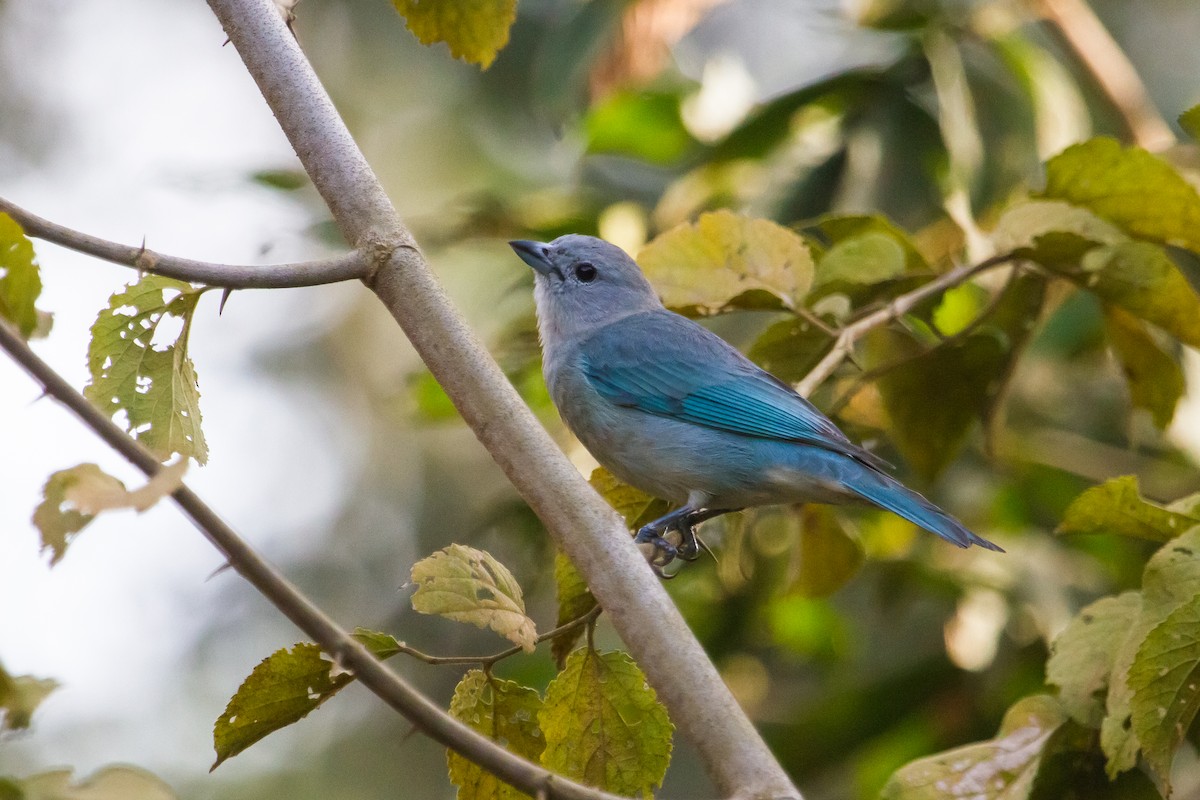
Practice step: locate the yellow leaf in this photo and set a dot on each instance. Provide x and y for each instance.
(468, 585)
(97, 491)
(475, 30)
(725, 260)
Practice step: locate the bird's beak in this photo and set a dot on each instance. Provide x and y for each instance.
(535, 254)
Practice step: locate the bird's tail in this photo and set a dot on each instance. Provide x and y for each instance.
(888, 493)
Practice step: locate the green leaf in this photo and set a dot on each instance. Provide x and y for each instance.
(1142, 279)
(152, 382)
(826, 554)
(1171, 578)
(574, 600)
(20, 695)
(960, 306)
(1190, 122)
(1081, 657)
(604, 725)
(1140, 193)
(790, 349)
(1002, 768)
(1154, 376)
(107, 783)
(1117, 506)
(504, 711)
(1071, 768)
(285, 180)
(475, 30)
(1024, 226)
(20, 280)
(283, 689)
(933, 400)
(469, 585)
(1165, 681)
(430, 403)
(634, 505)
(863, 249)
(641, 124)
(724, 261)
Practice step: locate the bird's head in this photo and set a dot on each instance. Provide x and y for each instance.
(582, 282)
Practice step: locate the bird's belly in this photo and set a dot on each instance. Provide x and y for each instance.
(672, 460)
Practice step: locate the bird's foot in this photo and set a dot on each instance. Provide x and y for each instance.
(690, 546)
(662, 550)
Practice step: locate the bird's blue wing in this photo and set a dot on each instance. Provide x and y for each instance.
(666, 365)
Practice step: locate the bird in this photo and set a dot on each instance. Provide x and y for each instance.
(670, 408)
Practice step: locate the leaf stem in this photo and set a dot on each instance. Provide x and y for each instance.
(489, 661)
(843, 346)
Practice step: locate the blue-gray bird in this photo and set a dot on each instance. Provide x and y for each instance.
(671, 408)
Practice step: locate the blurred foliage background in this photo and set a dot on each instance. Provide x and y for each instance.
(619, 119)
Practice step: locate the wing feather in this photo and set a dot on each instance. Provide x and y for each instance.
(687, 373)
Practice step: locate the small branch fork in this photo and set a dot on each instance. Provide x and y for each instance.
(350, 266)
(337, 643)
(843, 346)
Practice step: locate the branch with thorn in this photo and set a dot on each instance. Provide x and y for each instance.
(346, 267)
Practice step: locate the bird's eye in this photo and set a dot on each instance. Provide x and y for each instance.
(585, 272)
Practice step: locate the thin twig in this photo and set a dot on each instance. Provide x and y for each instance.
(870, 375)
(849, 336)
(1103, 58)
(341, 647)
(487, 661)
(351, 266)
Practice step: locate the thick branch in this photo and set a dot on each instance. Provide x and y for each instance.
(1107, 63)
(347, 653)
(843, 346)
(351, 266)
(590, 532)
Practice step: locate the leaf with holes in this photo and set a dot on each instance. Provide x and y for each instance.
(1171, 579)
(604, 725)
(1081, 657)
(108, 783)
(1138, 192)
(56, 517)
(999, 769)
(504, 711)
(283, 689)
(475, 30)
(725, 261)
(141, 372)
(469, 585)
(1165, 681)
(20, 695)
(20, 280)
(1117, 506)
